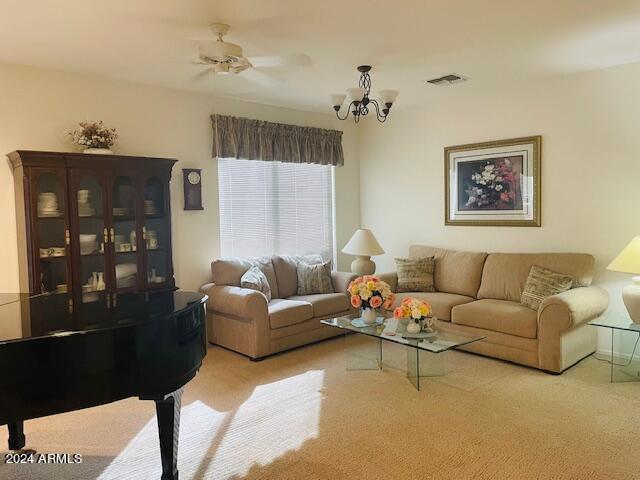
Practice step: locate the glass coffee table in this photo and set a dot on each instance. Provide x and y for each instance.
(368, 355)
(624, 356)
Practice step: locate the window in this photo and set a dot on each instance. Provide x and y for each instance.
(275, 208)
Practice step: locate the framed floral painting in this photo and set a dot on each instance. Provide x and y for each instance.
(493, 183)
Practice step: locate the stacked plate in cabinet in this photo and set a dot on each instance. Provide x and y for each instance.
(48, 205)
(88, 244)
(126, 274)
(84, 204)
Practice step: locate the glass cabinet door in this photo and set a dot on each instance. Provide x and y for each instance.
(123, 233)
(92, 234)
(51, 232)
(156, 233)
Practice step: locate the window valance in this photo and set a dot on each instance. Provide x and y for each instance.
(248, 139)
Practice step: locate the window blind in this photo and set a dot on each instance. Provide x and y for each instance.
(275, 208)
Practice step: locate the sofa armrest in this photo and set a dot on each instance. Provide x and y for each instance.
(571, 308)
(391, 278)
(341, 281)
(563, 336)
(237, 301)
(206, 287)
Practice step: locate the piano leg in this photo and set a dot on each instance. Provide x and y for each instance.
(16, 435)
(168, 413)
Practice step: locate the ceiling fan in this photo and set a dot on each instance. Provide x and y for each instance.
(223, 58)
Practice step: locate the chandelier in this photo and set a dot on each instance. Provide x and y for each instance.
(359, 101)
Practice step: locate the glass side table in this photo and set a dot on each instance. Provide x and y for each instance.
(625, 351)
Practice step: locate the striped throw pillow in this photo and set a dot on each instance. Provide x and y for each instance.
(313, 279)
(542, 283)
(415, 274)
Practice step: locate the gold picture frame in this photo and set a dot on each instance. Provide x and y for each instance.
(494, 183)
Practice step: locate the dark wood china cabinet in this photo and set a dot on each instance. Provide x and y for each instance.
(92, 225)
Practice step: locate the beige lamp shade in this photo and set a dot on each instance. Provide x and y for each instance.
(363, 243)
(628, 260)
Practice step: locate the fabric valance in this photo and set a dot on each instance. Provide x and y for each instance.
(248, 139)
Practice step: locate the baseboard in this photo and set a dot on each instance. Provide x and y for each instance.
(602, 354)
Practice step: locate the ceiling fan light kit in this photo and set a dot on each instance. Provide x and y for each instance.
(225, 57)
(360, 100)
(221, 68)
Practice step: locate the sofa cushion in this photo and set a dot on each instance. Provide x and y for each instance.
(229, 271)
(286, 271)
(415, 274)
(313, 279)
(441, 303)
(497, 315)
(505, 274)
(325, 304)
(455, 271)
(542, 283)
(283, 313)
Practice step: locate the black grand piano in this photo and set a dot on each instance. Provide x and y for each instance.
(148, 345)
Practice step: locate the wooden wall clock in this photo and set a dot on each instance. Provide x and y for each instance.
(192, 178)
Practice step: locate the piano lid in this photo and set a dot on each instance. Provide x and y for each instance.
(24, 316)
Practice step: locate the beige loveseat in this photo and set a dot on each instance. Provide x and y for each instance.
(242, 320)
(479, 293)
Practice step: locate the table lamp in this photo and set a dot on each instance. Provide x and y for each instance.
(628, 261)
(363, 244)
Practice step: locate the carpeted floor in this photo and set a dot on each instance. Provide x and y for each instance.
(301, 415)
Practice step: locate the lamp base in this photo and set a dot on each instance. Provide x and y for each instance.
(631, 298)
(363, 265)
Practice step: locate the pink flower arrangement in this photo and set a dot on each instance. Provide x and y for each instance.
(413, 309)
(369, 291)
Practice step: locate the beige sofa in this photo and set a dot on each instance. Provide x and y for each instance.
(479, 293)
(241, 320)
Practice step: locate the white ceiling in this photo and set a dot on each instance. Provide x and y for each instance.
(495, 42)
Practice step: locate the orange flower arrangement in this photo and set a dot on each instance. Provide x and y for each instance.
(413, 309)
(369, 291)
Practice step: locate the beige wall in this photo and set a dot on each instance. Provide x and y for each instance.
(591, 160)
(37, 106)
(590, 167)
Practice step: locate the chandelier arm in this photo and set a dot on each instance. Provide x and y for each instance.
(381, 117)
(346, 115)
(357, 109)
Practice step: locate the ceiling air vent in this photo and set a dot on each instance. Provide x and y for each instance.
(450, 79)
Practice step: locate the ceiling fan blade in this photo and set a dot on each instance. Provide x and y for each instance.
(296, 60)
(201, 75)
(259, 78)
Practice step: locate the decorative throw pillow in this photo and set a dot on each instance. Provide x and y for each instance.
(415, 274)
(255, 279)
(542, 283)
(314, 279)
(266, 267)
(311, 259)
